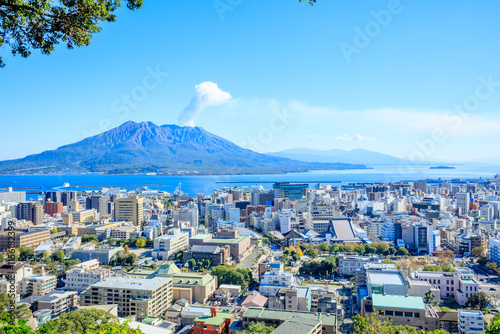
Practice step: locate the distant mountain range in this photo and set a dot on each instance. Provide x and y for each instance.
(148, 148)
(357, 156)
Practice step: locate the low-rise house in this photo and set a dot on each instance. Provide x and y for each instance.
(216, 323)
(235, 290)
(255, 300)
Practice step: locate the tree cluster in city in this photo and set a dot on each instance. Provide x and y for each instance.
(258, 328)
(382, 248)
(227, 274)
(293, 253)
(200, 265)
(375, 324)
(123, 257)
(434, 267)
(480, 300)
(74, 322)
(323, 268)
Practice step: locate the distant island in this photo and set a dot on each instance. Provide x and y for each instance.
(443, 167)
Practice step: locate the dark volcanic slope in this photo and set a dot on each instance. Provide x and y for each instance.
(146, 147)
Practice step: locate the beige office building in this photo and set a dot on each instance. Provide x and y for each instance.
(129, 209)
(37, 285)
(134, 297)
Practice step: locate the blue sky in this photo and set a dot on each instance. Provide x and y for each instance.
(394, 90)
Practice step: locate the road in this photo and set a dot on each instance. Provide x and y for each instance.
(248, 261)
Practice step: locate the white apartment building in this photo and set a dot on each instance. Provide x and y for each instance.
(167, 245)
(470, 322)
(487, 212)
(494, 247)
(284, 220)
(276, 279)
(348, 264)
(83, 275)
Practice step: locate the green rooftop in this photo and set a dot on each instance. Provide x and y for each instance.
(402, 302)
(186, 278)
(168, 269)
(328, 319)
(469, 281)
(148, 320)
(296, 325)
(141, 273)
(217, 320)
(228, 241)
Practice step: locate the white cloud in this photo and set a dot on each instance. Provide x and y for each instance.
(346, 137)
(361, 137)
(207, 94)
(312, 136)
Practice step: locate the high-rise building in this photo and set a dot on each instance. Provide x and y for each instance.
(10, 196)
(52, 208)
(291, 191)
(61, 196)
(424, 241)
(53, 196)
(187, 214)
(129, 209)
(32, 211)
(420, 185)
(100, 203)
(494, 246)
(68, 196)
(463, 202)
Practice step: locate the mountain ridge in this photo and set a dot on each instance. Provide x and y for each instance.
(366, 157)
(149, 148)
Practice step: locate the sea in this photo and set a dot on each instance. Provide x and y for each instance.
(206, 184)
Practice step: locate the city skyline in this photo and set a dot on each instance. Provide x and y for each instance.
(350, 76)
